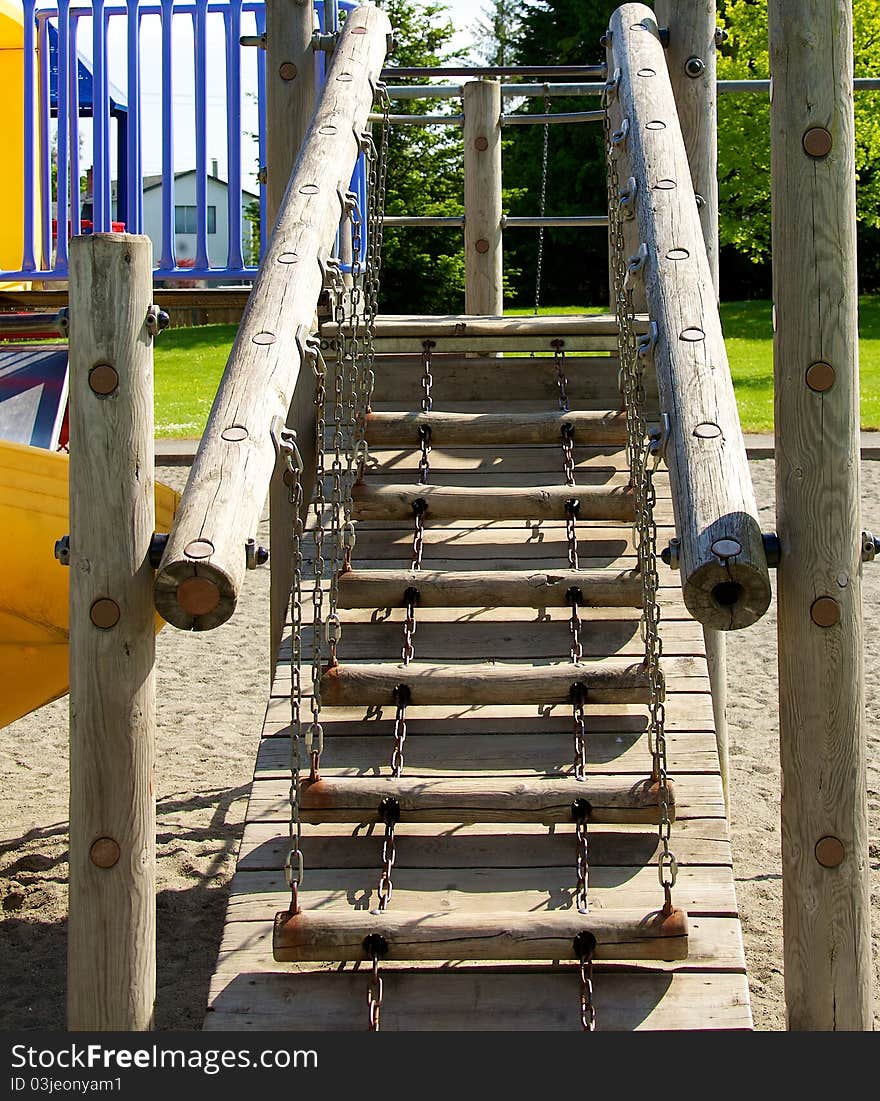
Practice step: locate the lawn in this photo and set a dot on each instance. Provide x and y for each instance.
(189, 363)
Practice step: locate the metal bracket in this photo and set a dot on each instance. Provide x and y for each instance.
(158, 543)
(157, 320)
(62, 550)
(620, 134)
(258, 40)
(658, 439)
(628, 199)
(322, 42)
(62, 320)
(870, 546)
(648, 341)
(671, 554)
(254, 555)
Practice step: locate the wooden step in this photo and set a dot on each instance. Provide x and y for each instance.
(490, 588)
(315, 935)
(509, 799)
(430, 684)
(395, 502)
(588, 429)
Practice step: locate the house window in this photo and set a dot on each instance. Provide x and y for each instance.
(185, 220)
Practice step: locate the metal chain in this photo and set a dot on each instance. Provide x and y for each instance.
(425, 434)
(568, 453)
(427, 377)
(410, 599)
(572, 508)
(419, 507)
(632, 356)
(389, 813)
(402, 696)
(578, 699)
(542, 207)
(575, 599)
(314, 737)
(558, 347)
(375, 947)
(588, 1008)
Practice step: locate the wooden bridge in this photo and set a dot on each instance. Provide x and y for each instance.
(490, 792)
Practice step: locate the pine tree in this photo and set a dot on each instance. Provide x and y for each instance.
(496, 31)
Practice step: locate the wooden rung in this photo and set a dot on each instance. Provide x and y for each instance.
(546, 801)
(429, 684)
(395, 502)
(497, 429)
(313, 936)
(547, 325)
(490, 588)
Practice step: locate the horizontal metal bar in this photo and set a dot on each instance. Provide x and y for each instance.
(497, 71)
(561, 116)
(860, 84)
(26, 323)
(574, 221)
(424, 91)
(423, 220)
(420, 120)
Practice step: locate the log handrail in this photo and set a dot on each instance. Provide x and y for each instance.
(721, 552)
(201, 571)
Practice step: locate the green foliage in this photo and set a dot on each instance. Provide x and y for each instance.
(744, 126)
(559, 32)
(422, 269)
(496, 31)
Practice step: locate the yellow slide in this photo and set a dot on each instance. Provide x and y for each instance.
(33, 585)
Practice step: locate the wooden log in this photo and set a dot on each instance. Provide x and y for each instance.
(483, 258)
(826, 903)
(511, 799)
(352, 685)
(588, 429)
(290, 103)
(111, 930)
(723, 565)
(315, 935)
(691, 25)
(395, 502)
(490, 588)
(203, 566)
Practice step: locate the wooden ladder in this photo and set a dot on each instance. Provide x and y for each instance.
(482, 926)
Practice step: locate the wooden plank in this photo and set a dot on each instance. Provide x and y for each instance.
(478, 1000)
(258, 896)
(491, 326)
(313, 936)
(265, 845)
(483, 259)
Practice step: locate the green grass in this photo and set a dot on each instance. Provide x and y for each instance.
(190, 362)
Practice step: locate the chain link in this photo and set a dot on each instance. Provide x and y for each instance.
(389, 813)
(572, 508)
(419, 507)
(561, 377)
(402, 696)
(542, 206)
(632, 366)
(425, 434)
(375, 947)
(568, 453)
(575, 598)
(427, 376)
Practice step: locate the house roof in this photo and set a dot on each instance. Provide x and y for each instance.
(151, 182)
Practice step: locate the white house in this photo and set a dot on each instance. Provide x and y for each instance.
(185, 217)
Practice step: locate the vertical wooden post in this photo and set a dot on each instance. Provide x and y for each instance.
(826, 916)
(112, 926)
(484, 289)
(691, 58)
(290, 102)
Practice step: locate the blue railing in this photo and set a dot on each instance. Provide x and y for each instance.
(64, 85)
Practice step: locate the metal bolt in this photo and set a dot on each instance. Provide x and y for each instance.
(287, 70)
(62, 550)
(870, 546)
(820, 377)
(694, 67)
(103, 380)
(326, 43)
(772, 548)
(671, 555)
(606, 39)
(825, 611)
(830, 851)
(482, 245)
(817, 142)
(104, 613)
(481, 144)
(158, 543)
(255, 555)
(258, 40)
(263, 175)
(63, 321)
(721, 35)
(157, 320)
(104, 852)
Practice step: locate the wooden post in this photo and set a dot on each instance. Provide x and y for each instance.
(290, 102)
(826, 915)
(111, 931)
(484, 291)
(691, 59)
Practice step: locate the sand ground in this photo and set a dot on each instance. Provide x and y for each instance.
(211, 695)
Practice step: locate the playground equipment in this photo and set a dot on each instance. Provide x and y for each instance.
(480, 600)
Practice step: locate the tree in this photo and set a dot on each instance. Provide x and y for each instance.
(422, 269)
(558, 32)
(744, 135)
(497, 30)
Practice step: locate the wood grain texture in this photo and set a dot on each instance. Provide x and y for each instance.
(712, 492)
(312, 936)
(394, 502)
(112, 924)
(821, 706)
(229, 479)
(499, 588)
(483, 257)
(498, 429)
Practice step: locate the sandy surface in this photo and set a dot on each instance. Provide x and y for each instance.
(211, 693)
